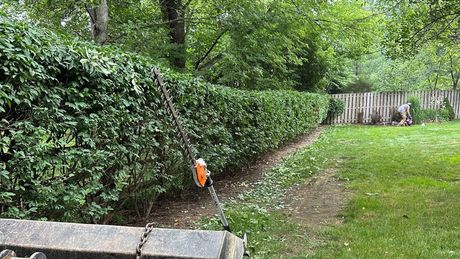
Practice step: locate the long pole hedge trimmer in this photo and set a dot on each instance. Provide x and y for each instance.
(200, 173)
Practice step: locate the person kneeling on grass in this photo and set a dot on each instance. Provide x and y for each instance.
(404, 111)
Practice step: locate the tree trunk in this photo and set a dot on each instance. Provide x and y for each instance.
(455, 75)
(436, 81)
(99, 20)
(173, 13)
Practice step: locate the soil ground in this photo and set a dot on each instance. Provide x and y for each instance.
(319, 201)
(311, 200)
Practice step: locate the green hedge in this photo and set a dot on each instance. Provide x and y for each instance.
(83, 132)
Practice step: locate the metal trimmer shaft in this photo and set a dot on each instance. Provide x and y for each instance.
(187, 147)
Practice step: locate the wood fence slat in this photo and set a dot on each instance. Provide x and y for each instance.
(453, 103)
(366, 104)
(374, 104)
(368, 108)
(358, 107)
(355, 104)
(360, 100)
(371, 105)
(351, 112)
(452, 98)
(426, 100)
(422, 98)
(363, 107)
(342, 117)
(456, 101)
(392, 100)
(338, 119)
(435, 99)
(348, 108)
(372, 108)
(377, 104)
(387, 104)
(429, 100)
(383, 107)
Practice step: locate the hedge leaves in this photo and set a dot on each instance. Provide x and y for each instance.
(83, 132)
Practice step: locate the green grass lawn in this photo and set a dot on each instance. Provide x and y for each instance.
(405, 202)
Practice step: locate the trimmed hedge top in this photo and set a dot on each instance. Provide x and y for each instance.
(83, 131)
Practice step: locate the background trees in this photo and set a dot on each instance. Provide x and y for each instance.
(244, 44)
(312, 45)
(421, 46)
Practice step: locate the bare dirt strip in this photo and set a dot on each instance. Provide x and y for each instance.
(318, 202)
(184, 210)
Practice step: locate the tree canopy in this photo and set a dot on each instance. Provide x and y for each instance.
(316, 45)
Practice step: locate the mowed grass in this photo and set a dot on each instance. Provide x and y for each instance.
(405, 202)
(406, 183)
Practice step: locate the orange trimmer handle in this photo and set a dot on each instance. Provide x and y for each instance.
(201, 175)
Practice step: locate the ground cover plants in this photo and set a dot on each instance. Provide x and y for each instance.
(404, 202)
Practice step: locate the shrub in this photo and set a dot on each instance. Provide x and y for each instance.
(434, 115)
(448, 109)
(416, 110)
(375, 117)
(445, 113)
(83, 131)
(336, 107)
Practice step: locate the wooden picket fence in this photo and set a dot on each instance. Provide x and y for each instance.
(384, 103)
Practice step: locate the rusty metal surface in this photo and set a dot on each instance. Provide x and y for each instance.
(70, 240)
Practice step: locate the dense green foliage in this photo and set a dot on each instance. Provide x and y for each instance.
(336, 107)
(418, 48)
(416, 109)
(83, 133)
(333, 46)
(434, 115)
(286, 44)
(433, 68)
(415, 24)
(419, 115)
(449, 110)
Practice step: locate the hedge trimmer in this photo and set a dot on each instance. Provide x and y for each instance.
(200, 173)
